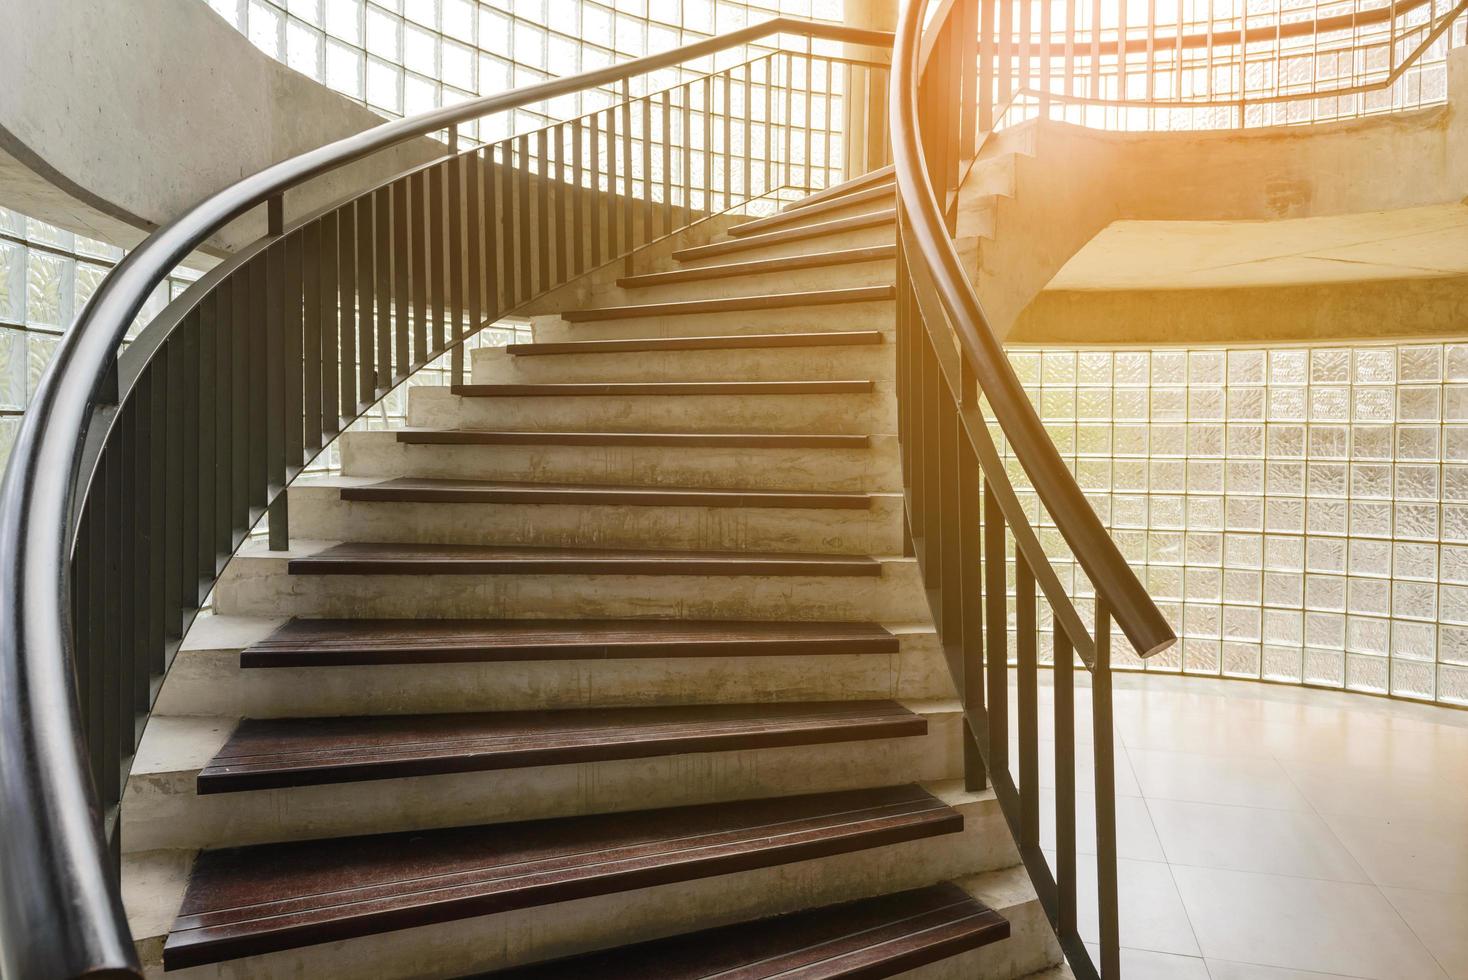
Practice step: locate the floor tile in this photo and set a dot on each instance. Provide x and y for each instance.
(1407, 853)
(1224, 970)
(1440, 921)
(1135, 836)
(1231, 780)
(1286, 842)
(1302, 924)
(1141, 964)
(1152, 914)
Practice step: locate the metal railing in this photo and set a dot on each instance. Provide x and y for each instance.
(962, 512)
(138, 472)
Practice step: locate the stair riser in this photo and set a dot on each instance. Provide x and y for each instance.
(1031, 947)
(874, 469)
(259, 586)
(319, 512)
(163, 811)
(439, 408)
(874, 361)
(803, 217)
(875, 315)
(209, 681)
(530, 935)
(883, 234)
(840, 276)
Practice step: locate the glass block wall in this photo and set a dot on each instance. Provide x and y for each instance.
(46, 277)
(1299, 513)
(400, 57)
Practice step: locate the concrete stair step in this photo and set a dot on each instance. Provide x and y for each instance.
(856, 200)
(705, 276)
(876, 227)
(781, 300)
(882, 175)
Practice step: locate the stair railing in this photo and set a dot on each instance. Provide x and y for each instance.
(963, 514)
(141, 468)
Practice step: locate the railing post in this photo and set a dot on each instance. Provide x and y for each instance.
(1107, 899)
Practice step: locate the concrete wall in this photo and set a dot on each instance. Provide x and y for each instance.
(118, 115)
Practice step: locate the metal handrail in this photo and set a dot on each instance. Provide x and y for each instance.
(61, 913)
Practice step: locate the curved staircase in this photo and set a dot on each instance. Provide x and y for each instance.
(610, 665)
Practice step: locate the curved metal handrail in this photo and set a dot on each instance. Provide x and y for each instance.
(60, 908)
(918, 205)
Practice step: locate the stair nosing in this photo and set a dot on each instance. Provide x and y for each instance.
(753, 341)
(861, 196)
(734, 304)
(834, 227)
(402, 490)
(756, 267)
(744, 440)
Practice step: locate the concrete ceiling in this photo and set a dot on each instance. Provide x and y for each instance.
(1411, 243)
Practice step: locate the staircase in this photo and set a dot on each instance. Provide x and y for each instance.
(610, 665)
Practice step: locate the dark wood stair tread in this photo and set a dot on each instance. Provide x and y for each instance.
(878, 192)
(862, 940)
(370, 558)
(273, 753)
(833, 227)
(251, 900)
(349, 642)
(767, 301)
(733, 440)
(629, 388)
(742, 341)
(414, 490)
(755, 267)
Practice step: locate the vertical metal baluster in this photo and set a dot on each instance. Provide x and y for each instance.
(987, 57)
(367, 312)
(474, 231)
(968, 66)
(225, 407)
(1027, 709)
(438, 262)
(259, 429)
(971, 579)
(158, 500)
(1006, 66)
(88, 665)
(1105, 776)
(523, 211)
(789, 119)
(543, 213)
(1065, 783)
(275, 421)
(112, 464)
(582, 201)
(132, 540)
(1025, 50)
(402, 265)
(208, 401)
(950, 597)
(1045, 55)
(997, 614)
(769, 127)
(667, 222)
(457, 251)
(420, 246)
(493, 238)
(109, 778)
(295, 455)
(629, 204)
(613, 212)
(346, 406)
(330, 263)
(595, 195)
(748, 91)
(173, 473)
(810, 89)
(931, 391)
(564, 190)
(383, 283)
(686, 153)
(311, 339)
(708, 145)
(647, 203)
(186, 336)
(727, 78)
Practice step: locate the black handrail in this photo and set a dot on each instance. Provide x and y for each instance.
(60, 908)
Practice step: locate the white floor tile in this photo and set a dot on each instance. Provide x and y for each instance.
(1238, 838)
(1440, 921)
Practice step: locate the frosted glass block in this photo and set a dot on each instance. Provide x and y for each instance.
(1026, 366)
(494, 31)
(1330, 404)
(1412, 680)
(1167, 512)
(1325, 592)
(1414, 600)
(1093, 474)
(1246, 367)
(40, 348)
(1375, 366)
(1285, 479)
(1242, 586)
(1164, 581)
(1131, 404)
(1128, 510)
(1283, 515)
(1241, 622)
(1371, 442)
(1204, 585)
(1164, 547)
(1452, 645)
(1288, 367)
(1283, 589)
(457, 65)
(1129, 474)
(1367, 635)
(1286, 441)
(1169, 439)
(1093, 403)
(419, 94)
(1282, 663)
(344, 69)
(1417, 482)
(266, 26)
(50, 285)
(1057, 403)
(1241, 659)
(1420, 363)
(344, 20)
(1287, 404)
(13, 388)
(1452, 685)
(1201, 619)
(1246, 404)
(1325, 667)
(1205, 513)
(1326, 480)
(1205, 404)
(1243, 551)
(1455, 402)
(424, 12)
(1094, 368)
(1201, 656)
(384, 34)
(1366, 673)
(457, 19)
(1416, 521)
(1452, 604)
(1169, 404)
(1455, 442)
(1418, 403)
(1058, 368)
(1204, 476)
(1283, 627)
(1326, 517)
(1371, 480)
(1132, 545)
(1204, 548)
(1325, 630)
(1205, 440)
(1133, 368)
(1169, 367)
(1417, 442)
(303, 49)
(1370, 557)
(1206, 367)
(12, 281)
(1063, 435)
(384, 85)
(1284, 553)
(1244, 513)
(1330, 366)
(1455, 522)
(1093, 440)
(1374, 404)
(1245, 476)
(1418, 561)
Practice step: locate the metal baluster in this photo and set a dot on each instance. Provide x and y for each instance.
(438, 263)
(748, 129)
(613, 211)
(493, 237)
(564, 191)
(647, 202)
(1105, 778)
(997, 614)
(595, 195)
(311, 316)
(420, 248)
(708, 145)
(258, 476)
(582, 200)
(509, 221)
(458, 251)
(1065, 783)
(523, 212)
(686, 153)
(542, 212)
(667, 219)
(367, 312)
(1027, 708)
(474, 232)
(628, 199)
(986, 64)
(383, 281)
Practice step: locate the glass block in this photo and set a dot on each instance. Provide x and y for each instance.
(1417, 442)
(1169, 439)
(1093, 403)
(1452, 645)
(1417, 521)
(1241, 622)
(1206, 367)
(1204, 585)
(1166, 511)
(1205, 513)
(1164, 582)
(1374, 404)
(1057, 403)
(1201, 619)
(1094, 368)
(1455, 402)
(1455, 362)
(12, 281)
(13, 386)
(1326, 480)
(1284, 515)
(344, 69)
(1205, 404)
(1420, 363)
(50, 288)
(1169, 404)
(1203, 548)
(1325, 667)
(1241, 659)
(1093, 440)
(1288, 367)
(1026, 366)
(1326, 593)
(1246, 404)
(1452, 684)
(1058, 368)
(1414, 600)
(1287, 404)
(1282, 663)
(1416, 561)
(40, 348)
(1133, 368)
(1366, 673)
(1131, 404)
(1169, 367)
(1368, 635)
(266, 25)
(1412, 680)
(1371, 442)
(1455, 522)
(303, 49)
(1205, 440)
(1286, 441)
(1452, 604)
(1371, 480)
(344, 20)
(1128, 511)
(1330, 366)
(1244, 513)
(1283, 589)
(1418, 403)
(1244, 476)
(1246, 367)
(1284, 479)
(384, 85)
(1330, 404)
(1375, 366)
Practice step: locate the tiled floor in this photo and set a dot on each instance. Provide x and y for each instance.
(1276, 833)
